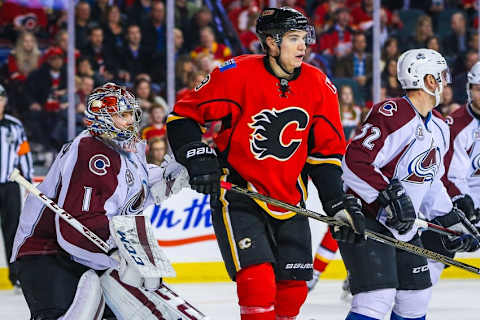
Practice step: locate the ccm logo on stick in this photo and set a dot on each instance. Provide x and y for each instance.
(200, 151)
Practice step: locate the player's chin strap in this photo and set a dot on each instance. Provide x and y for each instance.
(277, 59)
(437, 94)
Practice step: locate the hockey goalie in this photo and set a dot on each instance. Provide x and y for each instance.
(101, 182)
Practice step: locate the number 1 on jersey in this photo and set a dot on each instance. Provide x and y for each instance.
(87, 197)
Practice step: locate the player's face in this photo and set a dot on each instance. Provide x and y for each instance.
(124, 120)
(3, 102)
(475, 94)
(293, 49)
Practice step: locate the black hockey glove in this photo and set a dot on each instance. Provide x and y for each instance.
(347, 209)
(399, 207)
(464, 243)
(202, 166)
(465, 203)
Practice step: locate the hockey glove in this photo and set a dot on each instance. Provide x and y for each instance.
(202, 166)
(398, 206)
(464, 243)
(465, 203)
(347, 209)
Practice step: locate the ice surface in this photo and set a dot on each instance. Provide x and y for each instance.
(452, 300)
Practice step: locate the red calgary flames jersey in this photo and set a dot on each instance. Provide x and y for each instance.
(271, 127)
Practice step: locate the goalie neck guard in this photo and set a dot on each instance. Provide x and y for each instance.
(106, 101)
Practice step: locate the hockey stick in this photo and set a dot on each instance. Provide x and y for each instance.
(370, 234)
(90, 235)
(436, 228)
(469, 226)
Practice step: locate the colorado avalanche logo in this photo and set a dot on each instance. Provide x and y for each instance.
(388, 108)
(476, 166)
(271, 136)
(134, 205)
(98, 164)
(424, 167)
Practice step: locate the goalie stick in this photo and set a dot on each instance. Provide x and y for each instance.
(370, 234)
(89, 234)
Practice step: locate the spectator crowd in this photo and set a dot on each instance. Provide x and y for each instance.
(124, 41)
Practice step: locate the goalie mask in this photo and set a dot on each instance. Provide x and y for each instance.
(473, 77)
(106, 103)
(414, 65)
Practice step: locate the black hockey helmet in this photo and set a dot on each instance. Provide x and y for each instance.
(275, 22)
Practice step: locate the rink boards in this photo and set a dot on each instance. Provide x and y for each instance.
(183, 227)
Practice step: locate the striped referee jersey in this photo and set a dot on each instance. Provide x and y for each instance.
(14, 149)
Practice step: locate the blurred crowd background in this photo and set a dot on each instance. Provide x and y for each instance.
(124, 41)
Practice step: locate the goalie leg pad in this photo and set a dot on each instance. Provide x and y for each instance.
(256, 292)
(412, 304)
(88, 303)
(291, 295)
(131, 303)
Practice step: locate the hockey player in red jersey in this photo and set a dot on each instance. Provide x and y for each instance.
(280, 124)
(394, 164)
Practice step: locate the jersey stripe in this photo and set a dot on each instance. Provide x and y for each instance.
(228, 225)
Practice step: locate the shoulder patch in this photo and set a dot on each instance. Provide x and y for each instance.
(229, 64)
(98, 164)
(388, 108)
(203, 83)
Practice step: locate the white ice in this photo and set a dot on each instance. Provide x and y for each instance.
(452, 300)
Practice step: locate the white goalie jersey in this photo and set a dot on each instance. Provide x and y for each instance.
(99, 183)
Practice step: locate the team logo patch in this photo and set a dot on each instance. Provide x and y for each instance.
(424, 167)
(476, 166)
(419, 134)
(203, 83)
(388, 108)
(98, 164)
(245, 243)
(277, 134)
(134, 205)
(129, 177)
(229, 64)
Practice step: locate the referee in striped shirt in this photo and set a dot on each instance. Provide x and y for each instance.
(14, 153)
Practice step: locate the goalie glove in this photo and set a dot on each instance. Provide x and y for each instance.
(454, 221)
(347, 209)
(173, 178)
(398, 206)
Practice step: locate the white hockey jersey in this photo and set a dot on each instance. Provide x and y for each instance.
(462, 162)
(396, 142)
(92, 182)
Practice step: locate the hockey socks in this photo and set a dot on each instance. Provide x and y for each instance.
(256, 292)
(395, 316)
(358, 316)
(291, 295)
